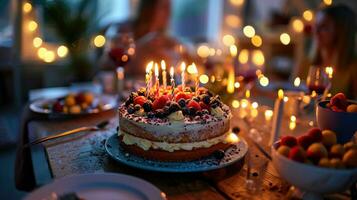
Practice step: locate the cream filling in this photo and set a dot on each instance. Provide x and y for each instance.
(217, 112)
(170, 147)
(176, 116)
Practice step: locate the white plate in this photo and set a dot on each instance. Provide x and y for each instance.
(108, 102)
(105, 186)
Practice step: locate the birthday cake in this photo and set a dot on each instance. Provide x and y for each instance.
(174, 124)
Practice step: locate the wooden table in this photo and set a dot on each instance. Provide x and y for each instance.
(85, 153)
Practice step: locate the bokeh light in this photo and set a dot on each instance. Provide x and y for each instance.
(285, 38)
(99, 41)
(27, 7)
(32, 26)
(249, 31)
(37, 42)
(236, 84)
(308, 15)
(41, 52)
(228, 40)
(258, 57)
(298, 25)
(243, 56)
(237, 2)
(62, 51)
(256, 40)
(235, 104)
(233, 50)
(233, 21)
(264, 81)
(328, 2)
(204, 79)
(49, 56)
(203, 51)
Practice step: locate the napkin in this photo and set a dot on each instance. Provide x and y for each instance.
(24, 172)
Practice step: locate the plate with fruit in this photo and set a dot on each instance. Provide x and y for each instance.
(338, 114)
(315, 162)
(82, 103)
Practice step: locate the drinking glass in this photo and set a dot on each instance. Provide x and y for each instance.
(317, 80)
(121, 48)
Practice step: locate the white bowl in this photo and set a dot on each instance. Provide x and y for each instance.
(313, 178)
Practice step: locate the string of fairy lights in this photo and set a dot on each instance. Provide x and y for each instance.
(47, 52)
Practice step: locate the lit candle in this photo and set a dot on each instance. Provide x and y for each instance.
(172, 80)
(148, 77)
(278, 114)
(195, 73)
(163, 67)
(292, 123)
(297, 82)
(157, 84)
(183, 69)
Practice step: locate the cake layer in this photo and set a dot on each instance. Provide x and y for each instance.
(145, 144)
(180, 155)
(185, 131)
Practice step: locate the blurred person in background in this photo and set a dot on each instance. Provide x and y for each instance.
(334, 37)
(149, 30)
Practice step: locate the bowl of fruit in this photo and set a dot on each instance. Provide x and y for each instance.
(339, 115)
(74, 104)
(315, 162)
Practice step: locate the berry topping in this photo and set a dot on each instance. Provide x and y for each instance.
(140, 100)
(192, 111)
(194, 104)
(160, 102)
(204, 106)
(206, 99)
(181, 95)
(160, 113)
(151, 115)
(137, 107)
(147, 106)
(174, 107)
(131, 109)
(182, 102)
(196, 99)
(201, 90)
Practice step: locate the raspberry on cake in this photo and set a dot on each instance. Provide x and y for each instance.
(174, 126)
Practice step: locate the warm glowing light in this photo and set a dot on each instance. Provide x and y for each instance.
(212, 51)
(233, 21)
(41, 52)
(172, 71)
(280, 94)
(247, 94)
(311, 123)
(237, 2)
(306, 99)
(297, 82)
(268, 115)
(308, 15)
(156, 70)
(32, 26)
(292, 123)
(249, 31)
(99, 41)
(203, 51)
(236, 84)
(149, 67)
(327, 2)
(230, 82)
(62, 51)
(37, 42)
(329, 71)
(192, 69)
(329, 95)
(243, 56)
(255, 105)
(286, 99)
(213, 79)
(285, 38)
(244, 103)
(259, 73)
(183, 66)
(204, 79)
(219, 52)
(27, 7)
(49, 56)
(258, 57)
(264, 81)
(235, 104)
(233, 50)
(313, 93)
(298, 25)
(256, 40)
(228, 40)
(232, 138)
(124, 58)
(292, 118)
(163, 65)
(131, 51)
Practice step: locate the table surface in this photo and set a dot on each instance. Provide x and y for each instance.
(85, 153)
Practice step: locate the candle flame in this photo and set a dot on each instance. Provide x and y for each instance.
(297, 82)
(255, 105)
(329, 71)
(149, 66)
(183, 66)
(293, 118)
(233, 50)
(156, 70)
(194, 68)
(172, 71)
(280, 94)
(232, 138)
(247, 93)
(163, 65)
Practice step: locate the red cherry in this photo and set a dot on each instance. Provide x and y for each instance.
(140, 100)
(336, 109)
(298, 154)
(289, 141)
(340, 101)
(181, 95)
(305, 141)
(201, 90)
(204, 106)
(160, 102)
(57, 107)
(315, 134)
(194, 104)
(80, 98)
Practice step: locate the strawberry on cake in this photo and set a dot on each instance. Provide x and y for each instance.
(174, 126)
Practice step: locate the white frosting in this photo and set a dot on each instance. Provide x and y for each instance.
(176, 116)
(170, 147)
(217, 112)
